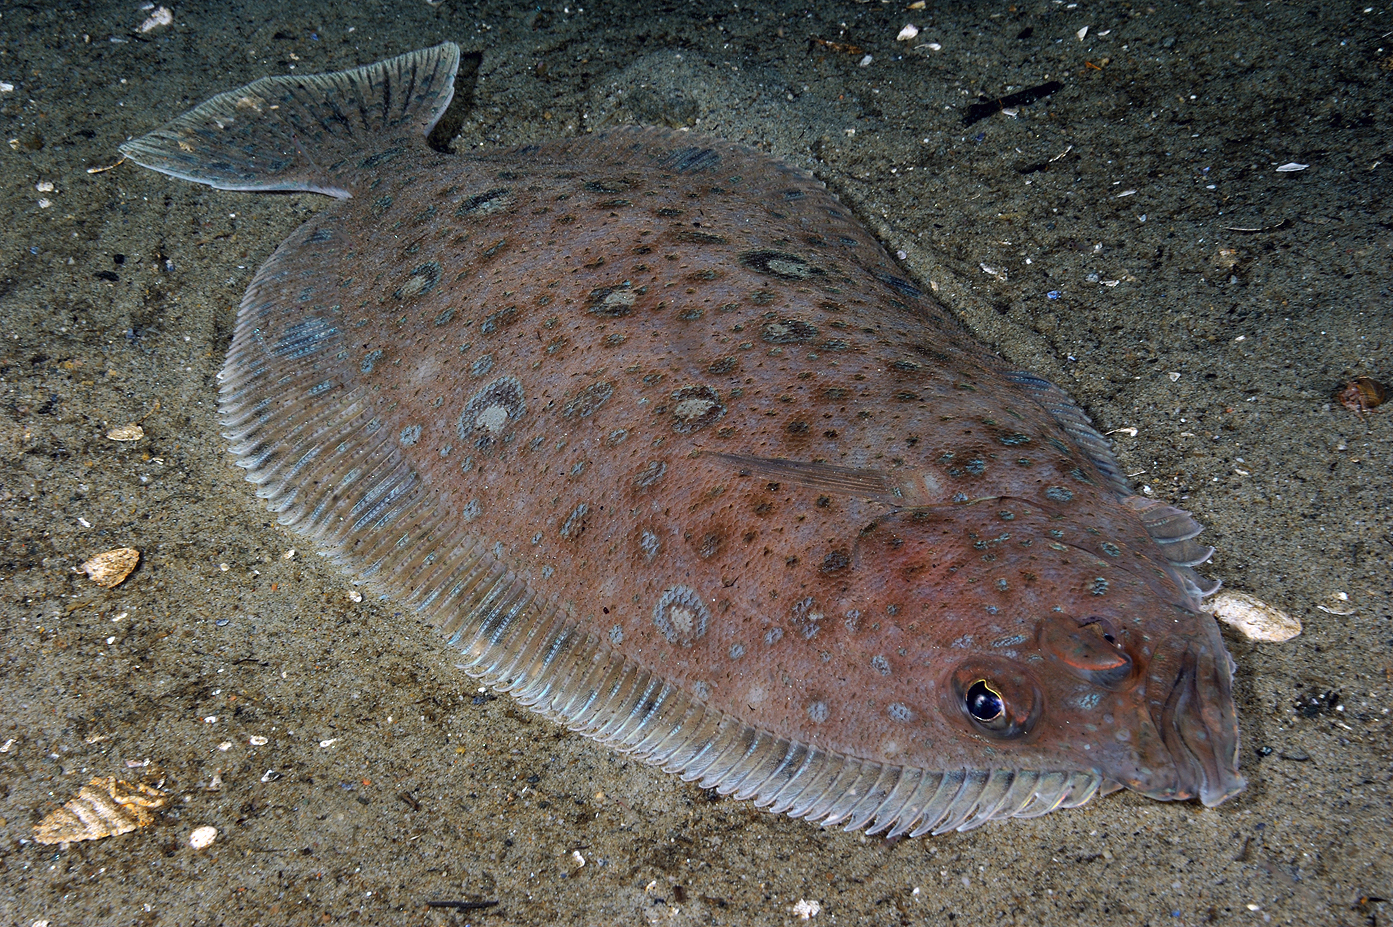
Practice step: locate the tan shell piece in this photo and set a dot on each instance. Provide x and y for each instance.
(1254, 618)
(105, 807)
(130, 432)
(111, 567)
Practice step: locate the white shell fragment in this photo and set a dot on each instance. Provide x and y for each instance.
(104, 808)
(1338, 604)
(908, 32)
(1292, 167)
(1253, 618)
(203, 837)
(126, 433)
(161, 17)
(111, 567)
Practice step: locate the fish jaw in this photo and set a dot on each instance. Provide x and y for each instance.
(1188, 726)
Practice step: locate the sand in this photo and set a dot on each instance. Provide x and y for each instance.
(1130, 236)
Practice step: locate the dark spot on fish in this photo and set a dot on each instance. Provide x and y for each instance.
(575, 524)
(779, 264)
(609, 185)
(695, 236)
(695, 407)
(837, 559)
(710, 545)
(587, 401)
(485, 204)
(611, 301)
(379, 158)
(422, 280)
(650, 474)
(788, 331)
(497, 320)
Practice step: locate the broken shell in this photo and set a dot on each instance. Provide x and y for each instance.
(126, 433)
(1362, 394)
(103, 808)
(1339, 605)
(1254, 618)
(203, 837)
(111, 567)
(1226, 258)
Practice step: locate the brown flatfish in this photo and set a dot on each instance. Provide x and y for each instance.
(665, 445)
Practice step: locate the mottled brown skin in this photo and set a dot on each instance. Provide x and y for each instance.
(597, 353)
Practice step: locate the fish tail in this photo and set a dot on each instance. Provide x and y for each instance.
(306, 133)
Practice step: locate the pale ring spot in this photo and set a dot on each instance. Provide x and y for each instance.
(681, 616)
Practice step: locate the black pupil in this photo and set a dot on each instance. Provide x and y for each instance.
(982, 703)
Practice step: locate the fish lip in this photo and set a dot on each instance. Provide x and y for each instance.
(1190, 702)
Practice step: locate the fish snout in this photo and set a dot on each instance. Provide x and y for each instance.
(1190, 704)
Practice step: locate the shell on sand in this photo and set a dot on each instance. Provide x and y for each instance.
(105, 807)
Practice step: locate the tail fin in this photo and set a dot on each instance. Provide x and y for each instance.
(307, 133)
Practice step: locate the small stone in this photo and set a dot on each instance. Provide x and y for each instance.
(203, 837)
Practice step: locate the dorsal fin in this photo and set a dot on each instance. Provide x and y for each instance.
(1072, 419)
(1175, 531)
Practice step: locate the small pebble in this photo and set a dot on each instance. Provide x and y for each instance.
(203, 837)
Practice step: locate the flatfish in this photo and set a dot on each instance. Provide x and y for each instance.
(665, 445)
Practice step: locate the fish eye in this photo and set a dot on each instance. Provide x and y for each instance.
(984, 703)
(995, 697)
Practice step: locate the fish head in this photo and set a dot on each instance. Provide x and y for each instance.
(1046, 655)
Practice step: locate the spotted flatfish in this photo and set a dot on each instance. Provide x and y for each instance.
(668, 447)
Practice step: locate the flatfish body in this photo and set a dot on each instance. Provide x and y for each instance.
(665, 444)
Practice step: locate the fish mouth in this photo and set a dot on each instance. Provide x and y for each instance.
(1190, 703)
